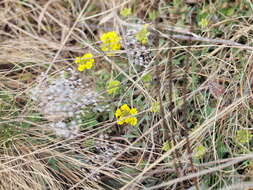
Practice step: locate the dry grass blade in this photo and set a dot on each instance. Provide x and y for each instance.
(126, 95)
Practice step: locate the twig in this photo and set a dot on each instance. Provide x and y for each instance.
(185, 130)
(215, 41)
(189, 35)
(176, 155)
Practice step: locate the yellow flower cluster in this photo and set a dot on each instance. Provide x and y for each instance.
(243, 136)
(142, 35)
(126, 12)
(155, 107)
(113, 86)
(167, 145)
(203, 23)
(85, 62)
(199, 151)
(110, 41)
(125, 115)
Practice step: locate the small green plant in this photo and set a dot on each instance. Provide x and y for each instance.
(153, 15)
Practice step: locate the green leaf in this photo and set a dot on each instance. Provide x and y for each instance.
(175, 61)
(209, 110)
(89, 143)
(221, 149)
(52, 163)
(129, 170)
(111, 116)
(129, 136)
(228, 11)
(147, 78)
(177, 3)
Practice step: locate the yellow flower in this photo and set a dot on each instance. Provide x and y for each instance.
(126, 12)
(155, 107)
(125, 115)
(243, 136)
(199, 151)
(167, 145)
(203, 23)
(110, 42)
(113, 86)
(85, 62)
(142, 35)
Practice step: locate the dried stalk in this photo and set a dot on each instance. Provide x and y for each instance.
(185, 108)
(188, 34)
